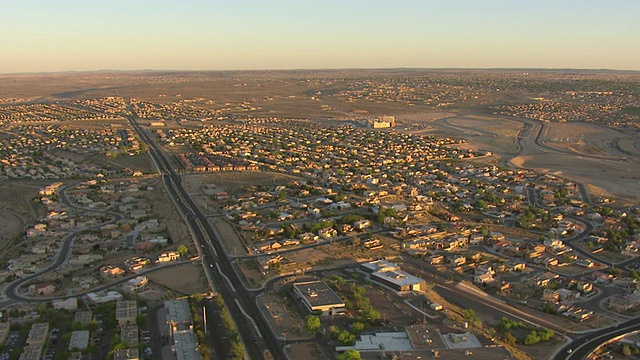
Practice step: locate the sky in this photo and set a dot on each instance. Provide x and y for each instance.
(81, 35)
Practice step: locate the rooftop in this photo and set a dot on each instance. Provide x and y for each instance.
(38, 333)
(129, 335)
(317, 293)
(380, 265)
(126, 308)
(185, 345)
(31, 352)
(398, 277)
(390, 341)
(79, 340)
(83, 317)
(126, 354)
(178, 311)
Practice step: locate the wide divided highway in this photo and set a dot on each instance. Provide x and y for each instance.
(252, 326)
(581, 347)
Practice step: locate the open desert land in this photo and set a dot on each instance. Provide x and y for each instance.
(605, 160)
(17, 210)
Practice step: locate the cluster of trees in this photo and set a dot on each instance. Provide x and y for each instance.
(488, 197)
(615, 239)
(384, 213)
(349, 355)
(560, 192)
(237, 349)
(534, 335)
(343, 336)
(350, 218)
(362, 304)
(314, 227)
(471, 317)
(347, 337)
(527, 218)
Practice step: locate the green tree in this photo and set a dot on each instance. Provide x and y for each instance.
(182, 250)
(346, 338)
(349, 355)
(481, 204)
(339, 281)
(357, 328)
(238, 350)
(370, 314)
(312, 324)
(605, 211)
(470, 316)
(532, 338)
(550, 309)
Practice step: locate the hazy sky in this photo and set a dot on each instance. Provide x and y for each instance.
(54, 35)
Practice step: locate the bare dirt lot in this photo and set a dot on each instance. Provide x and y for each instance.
(183, 279)
(235, 181)
(308, 351)
(17, 210)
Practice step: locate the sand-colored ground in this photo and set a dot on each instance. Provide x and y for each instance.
(9, 224)
(17, 211)
(616, 179)
(235, 181)
(183, 279)
(309, 351)
(605, 160)
(282, 319)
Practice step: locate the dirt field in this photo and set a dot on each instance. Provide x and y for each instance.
(17, 210)
(183, 279)
(235, 181)
(168, 216)
(231, 241)
(283, 319)
(305, 351)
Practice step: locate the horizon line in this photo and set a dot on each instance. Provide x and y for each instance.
(538, 69)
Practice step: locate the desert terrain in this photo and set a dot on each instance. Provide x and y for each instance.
(605, 160)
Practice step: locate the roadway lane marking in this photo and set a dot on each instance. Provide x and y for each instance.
(249, 317)
(226, 278)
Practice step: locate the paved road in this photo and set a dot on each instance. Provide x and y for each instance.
(11, 290)
(581, 347)
(252, 327)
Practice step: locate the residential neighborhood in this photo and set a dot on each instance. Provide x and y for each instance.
(172, 225)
